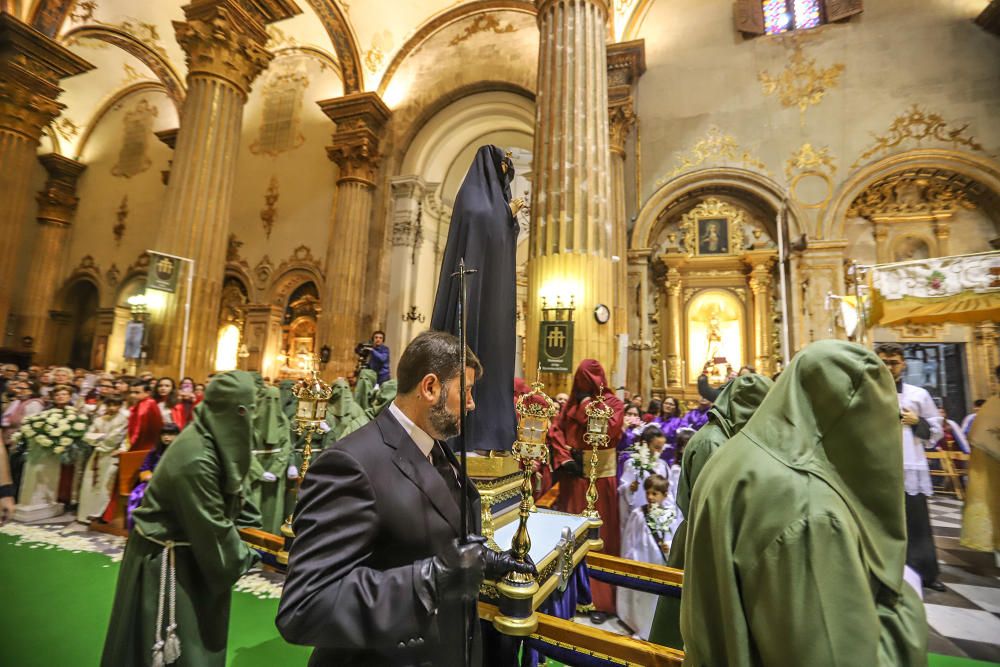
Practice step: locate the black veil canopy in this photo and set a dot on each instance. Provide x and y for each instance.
(484, 232)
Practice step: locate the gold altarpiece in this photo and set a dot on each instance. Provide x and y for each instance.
(713, 301)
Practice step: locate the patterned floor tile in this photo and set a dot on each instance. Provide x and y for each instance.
(956, 623)
(985, 598)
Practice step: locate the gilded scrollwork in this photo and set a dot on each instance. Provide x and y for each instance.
(709, 209)
(716, 147)
(918, 125)
(916, 192)
(801, 84)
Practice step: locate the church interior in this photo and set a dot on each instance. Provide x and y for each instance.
(189, 189)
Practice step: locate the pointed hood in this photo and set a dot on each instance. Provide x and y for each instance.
(834, 414)
(738, 401)
(225, 417)
(367, 379)
(385, 395)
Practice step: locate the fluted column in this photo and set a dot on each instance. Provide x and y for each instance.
(57, 204)
(31, 67)
(571, 243)
(760, 286)
(675, 356)
(640, 342)
(360, 119)
(224, 43)
(626, 63)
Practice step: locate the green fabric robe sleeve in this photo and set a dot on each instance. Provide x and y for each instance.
(204, 516)
(807, 603)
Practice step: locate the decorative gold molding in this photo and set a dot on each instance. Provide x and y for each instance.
(919, 125)
(801, 84)
(482, 23)
(915, 194)
(714, 144)
(807, 158)
(118, 231)
(268, 213)
(621, 120)
(57, 202)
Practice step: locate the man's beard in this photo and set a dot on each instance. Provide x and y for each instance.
(445, 423)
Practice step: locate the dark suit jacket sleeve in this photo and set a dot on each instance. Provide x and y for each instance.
(330, 599)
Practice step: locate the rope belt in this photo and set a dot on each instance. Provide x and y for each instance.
(166, 651)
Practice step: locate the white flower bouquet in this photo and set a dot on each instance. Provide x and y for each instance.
(659, 518)
(57, 431)
(641, 459)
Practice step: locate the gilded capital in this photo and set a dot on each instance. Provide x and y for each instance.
(57, 201)
(360, 119)
(621, 120)
(544, 5)
(226, 38)
(31, 67)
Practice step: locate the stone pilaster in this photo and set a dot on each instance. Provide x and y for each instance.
(57, 204)
(675, 355)
(31, 67)
(760, 287)
(360, 118)
(626, 63)
(570, 249)
(224, 43)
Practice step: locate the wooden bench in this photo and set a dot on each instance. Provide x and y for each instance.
(128, 476)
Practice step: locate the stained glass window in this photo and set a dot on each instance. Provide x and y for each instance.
(784, 15)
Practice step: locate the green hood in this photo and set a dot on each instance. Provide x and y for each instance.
(834, 414)
(738, 401)
(225, 417)
(288, 400)
(367, 379)
(386, 394)
(270, 422)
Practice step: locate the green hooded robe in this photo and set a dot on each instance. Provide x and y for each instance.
(796, 530)
(193, 499)
(272, 453)
(343, 414)
(364, 390)
(733, 407)
(383, 397)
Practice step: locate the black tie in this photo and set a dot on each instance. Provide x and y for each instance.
(447, 473)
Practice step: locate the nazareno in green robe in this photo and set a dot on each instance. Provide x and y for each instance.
(272, 453)
(343, 414)
(383, 397)
(732, 409)
(364, 390)
(796, 533)
(193, 499)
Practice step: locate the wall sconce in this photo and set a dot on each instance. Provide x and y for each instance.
(137, 304)
(244, 351)
(413, 315)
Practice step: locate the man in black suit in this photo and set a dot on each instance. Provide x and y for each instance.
(377, 574)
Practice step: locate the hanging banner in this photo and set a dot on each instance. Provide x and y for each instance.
(163, 272)
(133, 340)
(555, 346)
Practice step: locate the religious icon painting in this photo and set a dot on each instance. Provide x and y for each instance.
(713, 236)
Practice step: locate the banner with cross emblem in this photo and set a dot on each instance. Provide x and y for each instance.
(163, 272)
(555, 349)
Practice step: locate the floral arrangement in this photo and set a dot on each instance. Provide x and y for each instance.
(641, 459)
(659, 518)
(58, 431)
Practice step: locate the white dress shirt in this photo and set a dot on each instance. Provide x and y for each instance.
(423, 441)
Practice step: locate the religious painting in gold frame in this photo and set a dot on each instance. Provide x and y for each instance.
(715, 334)
(713, 227)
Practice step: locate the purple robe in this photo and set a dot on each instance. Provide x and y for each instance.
(135, 498)
(695, 419)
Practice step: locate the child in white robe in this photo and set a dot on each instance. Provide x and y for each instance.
(106, 435)
(630, 495)
(642, 543)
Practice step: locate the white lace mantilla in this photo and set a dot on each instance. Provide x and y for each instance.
(937, 277)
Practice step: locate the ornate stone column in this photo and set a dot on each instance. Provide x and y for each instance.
(407, 238)
(224, 42)
(626, 63)
(570, 248)
(815, 272)
(640, 340)
(985, 358)
(57, 204)
(31, 67)
(360, 119)
(760, 286)
(675, 350)
(262, 335)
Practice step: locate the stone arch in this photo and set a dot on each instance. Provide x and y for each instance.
(755, 189)
(983, 170)
(344, 41)
(155, 61)
(111, 103)
(291, 279)
(446, 18)
(76, 320)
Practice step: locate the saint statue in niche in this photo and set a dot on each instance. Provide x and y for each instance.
(713, 236)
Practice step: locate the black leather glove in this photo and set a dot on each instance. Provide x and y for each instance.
(575, 465)
(458, 570)
(499, 563)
